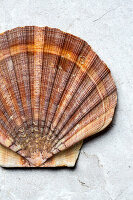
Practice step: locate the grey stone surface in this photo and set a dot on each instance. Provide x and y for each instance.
(105, 166)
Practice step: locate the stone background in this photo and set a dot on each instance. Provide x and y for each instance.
(105, 167)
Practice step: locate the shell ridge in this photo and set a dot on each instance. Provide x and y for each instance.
(100, 128)
(39, 37)
(95, 105)
(65, 144)
(7, 67)
(22, 133)
(59, 117)
(54, 78)
(46, 35)
(25, 73)
(70, 85)
(59, 58)
(29, 40)
(4, 124)
(22, 76)
(107, 111)
(6, 97)
(93, 88)
(31, 120)
(81, 48)
(11, 59)
(39, 123)
(38, 59)
(5, 140)
(5, 114)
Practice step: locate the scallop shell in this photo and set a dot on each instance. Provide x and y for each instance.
(54, 92)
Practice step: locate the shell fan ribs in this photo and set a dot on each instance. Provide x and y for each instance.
(54, 92)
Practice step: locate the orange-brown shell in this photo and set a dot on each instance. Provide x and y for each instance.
(54, 92)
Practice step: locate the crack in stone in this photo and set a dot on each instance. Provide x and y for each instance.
(105, 14)
(83, 183)
(100, 166)
(88, 156)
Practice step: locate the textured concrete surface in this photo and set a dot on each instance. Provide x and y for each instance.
(105, 168)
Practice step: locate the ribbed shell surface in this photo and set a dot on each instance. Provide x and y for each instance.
(54, 92)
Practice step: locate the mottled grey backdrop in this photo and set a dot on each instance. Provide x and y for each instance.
(105, 168)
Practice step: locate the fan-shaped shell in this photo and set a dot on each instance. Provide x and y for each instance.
(54, 92)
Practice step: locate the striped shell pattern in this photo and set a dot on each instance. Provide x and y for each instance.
(54, 92)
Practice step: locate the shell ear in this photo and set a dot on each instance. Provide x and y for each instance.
(54, 92)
